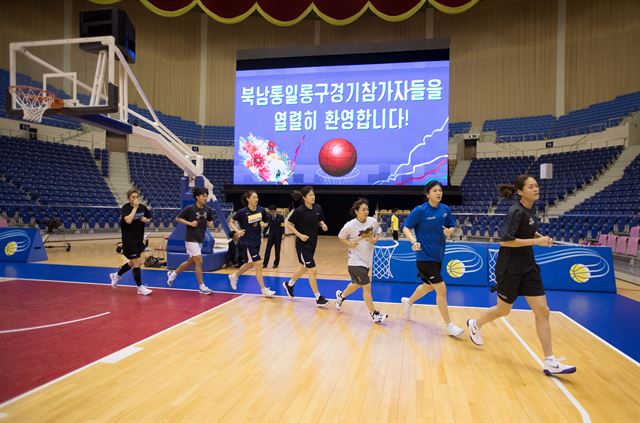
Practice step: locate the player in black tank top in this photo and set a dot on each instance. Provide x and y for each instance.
(517, 272)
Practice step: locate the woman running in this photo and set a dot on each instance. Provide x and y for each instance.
(248, 223)
(517, 272)
(305, 222)
(432, 222)
(360, 235)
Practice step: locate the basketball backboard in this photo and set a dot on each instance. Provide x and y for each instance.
(86, 82)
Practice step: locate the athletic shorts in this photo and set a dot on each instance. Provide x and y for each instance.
(305, 255)
(429, 271)
(359, 275)
(249, 253)
(512, 285)
(133, 250)
(194, 249)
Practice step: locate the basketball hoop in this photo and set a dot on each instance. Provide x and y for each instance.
(33, 101)
(381, 268)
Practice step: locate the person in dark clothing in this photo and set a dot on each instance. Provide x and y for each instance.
(133, 218)
(517, 272)
(248, 223)
(196, 218)
(232, 259)
(305, 222)
(275, 230)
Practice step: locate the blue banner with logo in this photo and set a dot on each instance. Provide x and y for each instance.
(573, 268)
(21, 245)
(464, 263)
(576, 268)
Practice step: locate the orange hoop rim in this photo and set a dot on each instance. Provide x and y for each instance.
(14, 89)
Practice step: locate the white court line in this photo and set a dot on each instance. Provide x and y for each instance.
(34, 390)
(120, 355)
(583, 413)
(54, 324)
(600, 339)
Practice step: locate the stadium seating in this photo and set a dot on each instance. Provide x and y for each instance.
(53, 173)
(595, 118)
(187, 130)
(620, 198)
(459, 128)
(530, 128)
(102, 154)
(159, 181)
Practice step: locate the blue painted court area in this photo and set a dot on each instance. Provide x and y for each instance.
(612, 317)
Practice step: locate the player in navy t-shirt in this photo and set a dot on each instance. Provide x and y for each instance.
(432, 222)
(248, 223)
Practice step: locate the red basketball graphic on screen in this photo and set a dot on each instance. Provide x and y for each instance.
(337, 157)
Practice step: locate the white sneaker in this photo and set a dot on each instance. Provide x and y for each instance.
(474, 332)
(114, 280)
(265, 291)
(454, 330)
(378, 317)
(171, 276)
(406, 307)
(143, 290)
(204, 290)
(554, 367)
(233, 280)
(339, 300)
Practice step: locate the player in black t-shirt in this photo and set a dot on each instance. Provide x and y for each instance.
(133, 218)
(195, 217)
(304, 223)
(517, 272)
(248, 223)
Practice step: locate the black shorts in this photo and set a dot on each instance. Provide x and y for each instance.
(359, 275)
(394, 234)
(305, 255)
(512, 285)
(249, 253)
(133, 250)
(429, 271)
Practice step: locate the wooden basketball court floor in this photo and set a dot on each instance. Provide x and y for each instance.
(248, 358)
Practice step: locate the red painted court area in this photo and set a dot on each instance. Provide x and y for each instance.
(113, 319)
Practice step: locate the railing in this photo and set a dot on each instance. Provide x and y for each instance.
(217, 155)
(59, 139)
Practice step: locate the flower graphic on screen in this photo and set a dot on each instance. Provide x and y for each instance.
(265, 160)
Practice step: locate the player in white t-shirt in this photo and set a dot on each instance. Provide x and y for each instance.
(360, 235)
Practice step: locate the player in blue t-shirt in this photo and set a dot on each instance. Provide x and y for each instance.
(248, 223)
(432, 223)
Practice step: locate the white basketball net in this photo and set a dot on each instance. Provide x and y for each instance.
(493, 256)
(32, 100)
(382, 261)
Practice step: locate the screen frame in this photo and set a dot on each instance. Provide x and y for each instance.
(340, 55)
